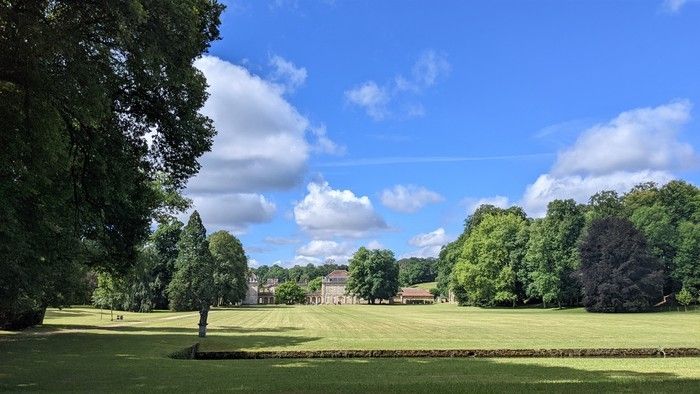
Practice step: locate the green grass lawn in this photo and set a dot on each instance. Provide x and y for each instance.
(426, 285)
(76, 350)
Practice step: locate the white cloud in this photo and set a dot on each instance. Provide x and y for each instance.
(326, 212)
(321, 248)
(303, 260)
(636, 146)
(377, 100)
(233, 211)
(409, 198)
(285, 73)
(433, 238)
(371, 98)
(374, 244)
(580, 188)
(428, 244)
(429, 68)
(674, 6)
(323, 144)
(498, 201)
(640, 139)
(260, 143)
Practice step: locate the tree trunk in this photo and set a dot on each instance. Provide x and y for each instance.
(203, 314)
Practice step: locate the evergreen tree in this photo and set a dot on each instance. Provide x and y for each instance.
(192, 286)
(618, 272)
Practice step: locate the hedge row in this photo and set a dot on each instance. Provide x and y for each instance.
(487, 353)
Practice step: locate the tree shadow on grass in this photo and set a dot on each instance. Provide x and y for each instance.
(164, 330)
(113, 360)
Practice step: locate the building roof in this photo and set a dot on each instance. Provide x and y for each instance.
(415, 292)
(338, 274)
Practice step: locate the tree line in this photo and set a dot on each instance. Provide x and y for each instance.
(617, 253)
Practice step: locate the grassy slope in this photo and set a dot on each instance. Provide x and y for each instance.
(76, 350)
(426, 285)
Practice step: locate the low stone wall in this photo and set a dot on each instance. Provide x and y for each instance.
(481, 353)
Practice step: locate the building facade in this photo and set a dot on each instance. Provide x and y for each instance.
(333, 292)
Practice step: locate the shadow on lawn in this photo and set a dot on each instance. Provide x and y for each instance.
(140, 362)
(165, 329)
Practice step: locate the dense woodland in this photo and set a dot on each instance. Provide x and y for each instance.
(616, 253)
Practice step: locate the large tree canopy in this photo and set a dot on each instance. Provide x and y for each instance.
(491, 258)
(231, 271)
(552, 256)
(374, 274)
(83, 86)
(618, 272)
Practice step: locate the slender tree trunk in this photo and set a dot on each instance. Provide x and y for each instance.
(203, 314)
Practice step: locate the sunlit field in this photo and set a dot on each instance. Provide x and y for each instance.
(81, 349)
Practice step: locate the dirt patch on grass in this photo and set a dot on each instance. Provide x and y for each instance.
(480, 353)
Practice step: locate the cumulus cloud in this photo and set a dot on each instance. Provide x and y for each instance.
(378, 100)
(234, 211)
(640, 139)
(473, 203)
(636, 146)
(260, 144)
(286, 74)
(580, 188)
(428, 244)
(409, 198)
(320, 249)
(326, 213)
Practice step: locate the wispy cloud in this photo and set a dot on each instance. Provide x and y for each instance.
(397, 98)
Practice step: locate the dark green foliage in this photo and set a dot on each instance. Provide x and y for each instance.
(618, 272)
(416, 270)
(374, 275)
(552, 254)
(230, 274)
(290, 293)
(297, 273)
(192, 287)
(164, 244)
(605, 204)
(81, 84)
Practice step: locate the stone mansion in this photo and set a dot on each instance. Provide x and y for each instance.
(332, 292)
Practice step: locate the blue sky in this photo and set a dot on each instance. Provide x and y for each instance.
(384, 124)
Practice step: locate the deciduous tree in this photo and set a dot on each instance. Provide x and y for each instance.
(230, 273)
(618, 272)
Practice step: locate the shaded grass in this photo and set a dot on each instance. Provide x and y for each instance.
(76, 351)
